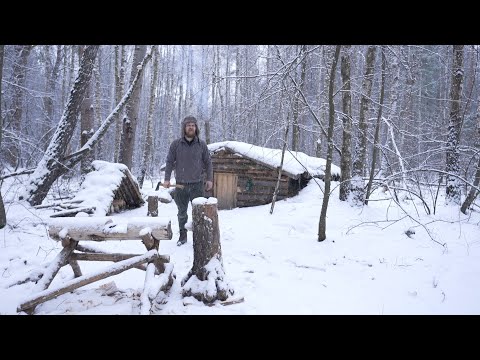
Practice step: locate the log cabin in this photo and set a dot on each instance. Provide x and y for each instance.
(246, 175)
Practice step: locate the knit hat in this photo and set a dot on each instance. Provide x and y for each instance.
(190, 119)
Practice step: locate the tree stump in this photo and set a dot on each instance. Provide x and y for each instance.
(152, 206)
(206, 280)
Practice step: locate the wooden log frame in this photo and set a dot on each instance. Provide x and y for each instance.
(31, 302)
(70, 231)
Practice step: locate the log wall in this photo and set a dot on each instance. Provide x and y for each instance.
(256, 182)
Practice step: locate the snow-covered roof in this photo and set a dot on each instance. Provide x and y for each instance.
(98, 188)
(295, 163)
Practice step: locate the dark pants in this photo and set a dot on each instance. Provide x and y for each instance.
(183, 196)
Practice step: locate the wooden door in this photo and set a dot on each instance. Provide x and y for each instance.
(225, 190)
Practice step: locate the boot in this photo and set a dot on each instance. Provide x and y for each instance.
(183, 237)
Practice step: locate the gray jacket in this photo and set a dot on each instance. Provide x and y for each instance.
(188, 160)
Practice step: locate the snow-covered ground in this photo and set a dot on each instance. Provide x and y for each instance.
(275, 261)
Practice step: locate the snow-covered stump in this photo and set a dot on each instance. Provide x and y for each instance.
(206, 280)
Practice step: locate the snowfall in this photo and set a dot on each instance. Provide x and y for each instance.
(379, 259)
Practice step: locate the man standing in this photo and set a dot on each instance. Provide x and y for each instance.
(189, 156)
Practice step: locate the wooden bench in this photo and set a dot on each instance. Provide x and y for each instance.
(71, 231)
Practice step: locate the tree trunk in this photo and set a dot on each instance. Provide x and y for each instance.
(2, 51)
(51, 74)
(358, 185)
(322, 224)
(346, 159)
(296, 106)
(454, 189)
(86, 125)
(213, 101)
(19, 76)
(207, 131)
(277, 186)
(49, 168)
(119, 83)
(130, 124)
(392, 116)
(377, 128)
(97, 69)
(3, 217)
(205, 281)
(473, 192)
(149, 129)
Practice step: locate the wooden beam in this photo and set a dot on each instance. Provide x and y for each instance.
(71, 285)
(115, 257)
(52, 269)
(77, 272)
(145, 301)
(110, 228)
(73, 212)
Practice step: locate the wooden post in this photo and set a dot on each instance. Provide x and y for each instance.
(60, 260)
(77, 272)
(207, 252)
(152, 206)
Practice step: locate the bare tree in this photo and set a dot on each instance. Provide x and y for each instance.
(377, 128)
(97, 69)
(3, 217)
(358, 184)
(86, 123)
(131, 119)
(55, 161)
(149, 129)
(51, 167)
(322, 224)
(119, 84)
(454, 189)
(19, 76)
(296, 106)
(52, 68)
(392, 115)
(346, 159)
(473, 191)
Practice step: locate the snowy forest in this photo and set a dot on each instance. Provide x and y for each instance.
(400, 116)
(396, 128)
